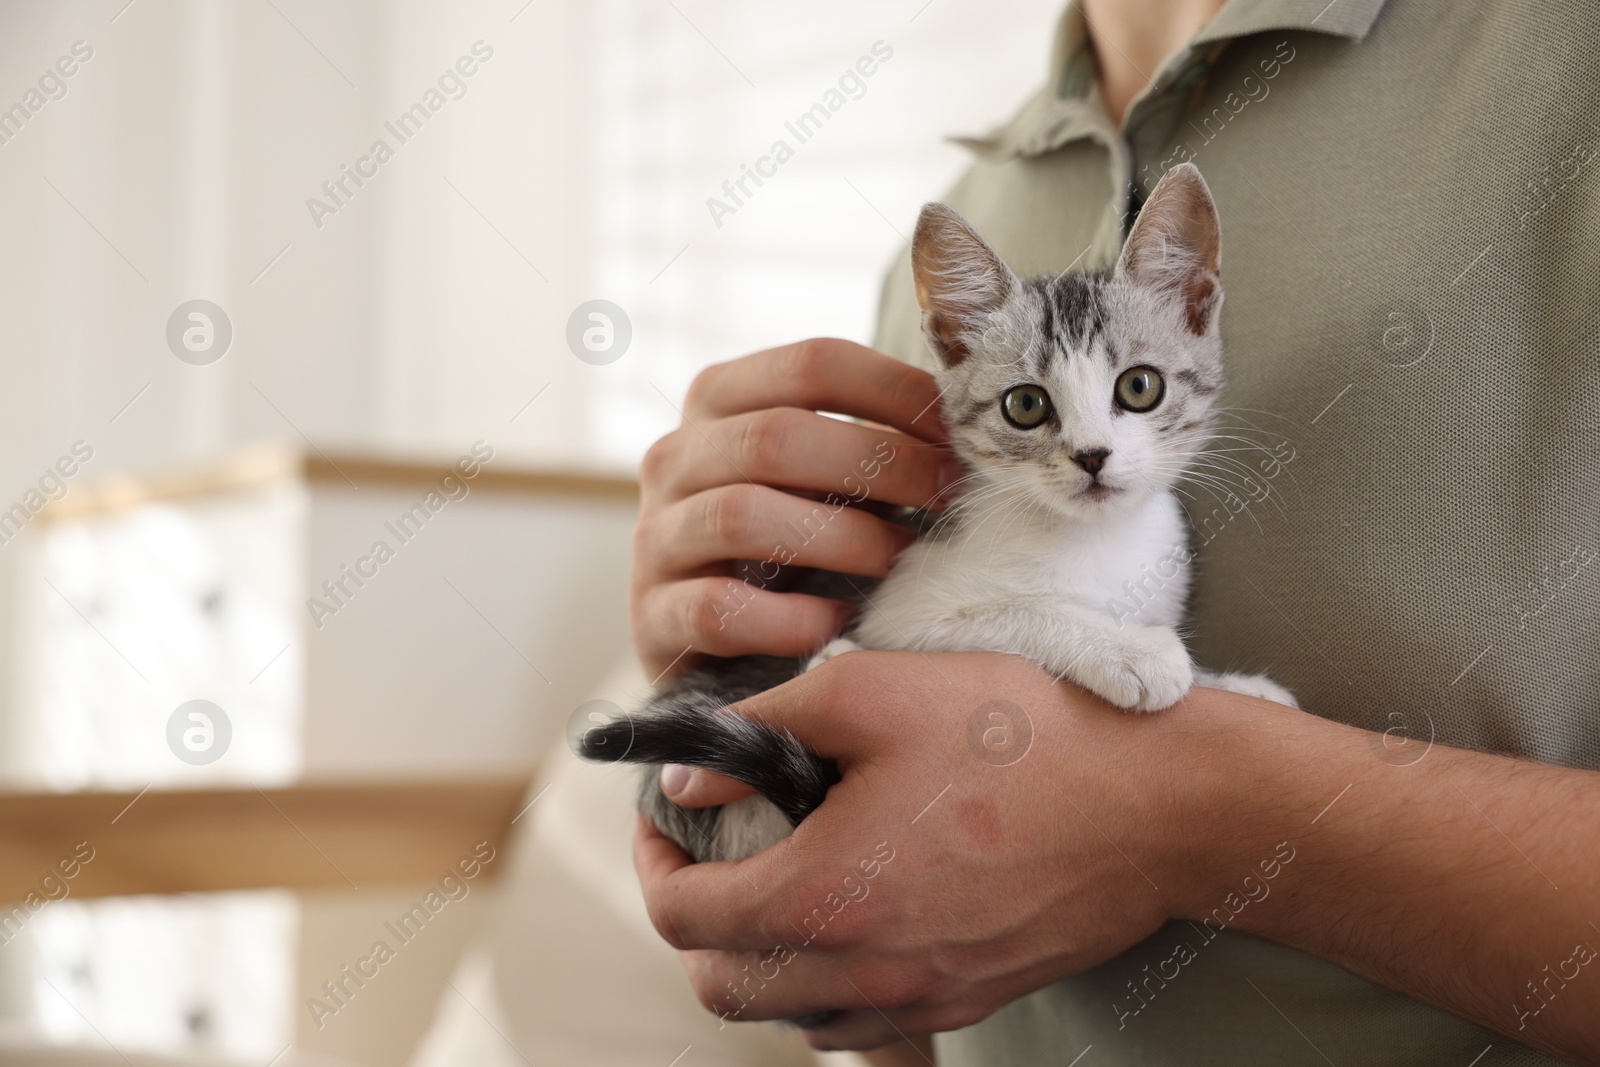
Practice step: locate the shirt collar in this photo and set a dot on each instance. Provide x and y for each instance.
(1341, 18)
(1068, 108)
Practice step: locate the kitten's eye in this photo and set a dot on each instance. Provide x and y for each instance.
(1140, 389)
(1026, 406)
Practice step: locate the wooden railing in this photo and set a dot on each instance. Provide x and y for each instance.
(206, 840)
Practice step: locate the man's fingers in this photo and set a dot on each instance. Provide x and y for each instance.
(791, 448)
(706, 905)
(729, 617)
(656, 859)
(873, 1004)
(753, 522)
(693, 787)
(778, 982)
(823, 375)
(789, 981)
(856, 1030)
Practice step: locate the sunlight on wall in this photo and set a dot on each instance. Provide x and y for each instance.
(712, 263)
(199, 974)
(138, 611)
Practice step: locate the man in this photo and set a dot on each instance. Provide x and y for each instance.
(1405, 872)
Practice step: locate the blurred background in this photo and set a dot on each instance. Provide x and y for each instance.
(283, 280)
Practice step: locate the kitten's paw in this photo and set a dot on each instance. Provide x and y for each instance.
(1250, 685)
(837, 647)
(1150, 672)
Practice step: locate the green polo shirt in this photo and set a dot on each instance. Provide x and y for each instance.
(1410, 203)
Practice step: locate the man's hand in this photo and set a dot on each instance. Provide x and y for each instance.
(738, 479)
(975, 850)
(996, 830)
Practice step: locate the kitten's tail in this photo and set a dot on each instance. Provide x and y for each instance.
(700, 733)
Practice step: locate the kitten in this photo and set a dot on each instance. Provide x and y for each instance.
(1077, 402)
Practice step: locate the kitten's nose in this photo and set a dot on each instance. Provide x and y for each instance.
(1092, 459)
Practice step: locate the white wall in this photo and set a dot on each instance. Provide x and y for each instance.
(468, 650)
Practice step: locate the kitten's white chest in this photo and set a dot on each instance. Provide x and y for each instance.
(1133, 567)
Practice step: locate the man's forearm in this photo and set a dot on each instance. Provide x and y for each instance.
(1468, 881)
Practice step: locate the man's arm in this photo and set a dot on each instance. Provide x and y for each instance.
(1458, 880)
(1468, 881)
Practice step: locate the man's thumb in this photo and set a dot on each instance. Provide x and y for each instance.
(691, 787)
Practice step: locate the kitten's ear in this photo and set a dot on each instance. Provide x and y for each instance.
(958, 278)
(1176, 246)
